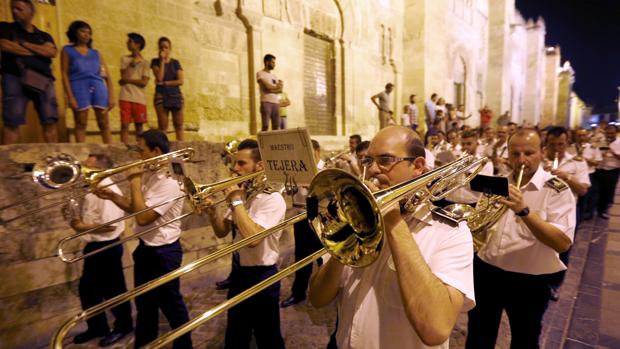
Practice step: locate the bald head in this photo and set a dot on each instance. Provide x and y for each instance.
(527, 135)
(403, 138)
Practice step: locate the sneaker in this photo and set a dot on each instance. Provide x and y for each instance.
(113, 337)
(86, 336)
(222, 285)
(292, 300)
(604, 215)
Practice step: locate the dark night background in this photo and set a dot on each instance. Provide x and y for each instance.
(588, 32)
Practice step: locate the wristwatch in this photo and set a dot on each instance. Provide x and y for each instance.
(235, 203)
(524, 212)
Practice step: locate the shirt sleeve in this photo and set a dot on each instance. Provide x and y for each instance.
(47, 38)
(154, 62)
(453, 262)
(582, 172)
(124, 63)
(561, 211)
(177, 65)
(268, 211)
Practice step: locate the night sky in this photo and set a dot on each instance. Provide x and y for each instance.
(588, 32)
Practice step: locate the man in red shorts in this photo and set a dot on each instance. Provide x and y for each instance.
(134, 77)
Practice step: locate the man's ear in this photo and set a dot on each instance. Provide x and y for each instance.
(259, 165)
(419, 163)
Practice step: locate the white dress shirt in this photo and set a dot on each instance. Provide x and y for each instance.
(430, 159)
(464, 195)
(589, 153)
(502, 152)
(99, 211)
(158, 187)
(577, 169)
(265, 210)
(371, 313)
(513, 247)
(610, 161)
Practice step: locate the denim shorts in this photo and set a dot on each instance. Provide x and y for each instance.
(90, 93)
(15, 99)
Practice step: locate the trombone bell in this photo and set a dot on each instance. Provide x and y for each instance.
(58, 171)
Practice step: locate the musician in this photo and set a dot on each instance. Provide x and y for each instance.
(411, 295)
(498, 152)
(306, 241)
(608, 171)
(572, 171)
(249, 214)
(158, 252)
(488, 140)
(348, 161)
(464, 195)
(592, 156)
(511, 270)
(102, 275)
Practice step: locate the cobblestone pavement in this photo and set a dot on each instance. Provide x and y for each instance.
(587, 314)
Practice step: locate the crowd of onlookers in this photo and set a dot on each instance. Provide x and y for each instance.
(27, 54)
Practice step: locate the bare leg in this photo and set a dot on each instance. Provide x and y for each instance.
(80, 117)
(162, 117)
(50, 134)
(139, 129)
(177, 119)
(124, 133)
(10, 135)
(104, 125)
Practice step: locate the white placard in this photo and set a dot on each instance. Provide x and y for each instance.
(287, 156)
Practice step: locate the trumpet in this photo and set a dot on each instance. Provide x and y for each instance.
(345, 214)
(63, 172)
(196, 194)
(331, 161)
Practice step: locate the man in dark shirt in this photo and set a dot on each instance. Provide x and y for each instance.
(24, 46)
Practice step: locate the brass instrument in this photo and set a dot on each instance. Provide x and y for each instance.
(556, 161)
(579, 148)
(63, 172)
(487, 212)
(195, 193)
(353, 201)
(331, 161)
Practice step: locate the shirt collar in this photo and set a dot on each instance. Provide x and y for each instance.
(538, 179)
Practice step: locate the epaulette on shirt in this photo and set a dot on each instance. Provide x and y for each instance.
(557, 184)
(448, 217)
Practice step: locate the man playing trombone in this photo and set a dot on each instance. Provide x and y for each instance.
(411, 295)
(102, 275)
(159, 252)
(511, 270)
(252, 208)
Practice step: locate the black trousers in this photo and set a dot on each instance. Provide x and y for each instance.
(606, 181)
(102, 279)
(523, 296)
(152, 262)
(306, 243)
(259, 314)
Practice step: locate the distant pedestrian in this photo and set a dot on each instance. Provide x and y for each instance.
(383, 102)
(486, 115)
(27, 51)
(86, 81)
(134, 78)
(429, 111)
(283, 110)
(269, 86)
(414, 113)
(168, 97)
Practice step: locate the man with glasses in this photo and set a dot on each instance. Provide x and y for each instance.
(410, 297)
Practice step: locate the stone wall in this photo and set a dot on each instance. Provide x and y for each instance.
(552, 65)
(38, 291)
(535, 82)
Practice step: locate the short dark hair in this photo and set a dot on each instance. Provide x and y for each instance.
(162, 39)
(268, 57)
(315, 144)
(433, 95)
(103, 160)
(389, 85)
(357, 137)
(556, 131)
(512, 123)
(27, 2)
(362, 146)
(251, 144)
(469, 134)
(73, 29)
(610, 126)
(138, 39)
(154, 138)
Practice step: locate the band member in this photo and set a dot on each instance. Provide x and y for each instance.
(464, 195)
(410, 297)
(592, 155)
(158, 252)
(608, 171)
(249, 214)
(102, 276)
(306, 241)
(498, 152)
(348, 161)
(511, 270)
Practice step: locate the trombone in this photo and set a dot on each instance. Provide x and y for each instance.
(64, 172)
(195, 193)
(345, 214)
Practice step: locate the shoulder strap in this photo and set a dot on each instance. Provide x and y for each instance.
(556, 184)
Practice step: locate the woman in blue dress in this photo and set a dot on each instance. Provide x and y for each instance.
(84, 72)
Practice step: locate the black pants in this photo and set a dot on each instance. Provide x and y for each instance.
(606, 181)
(306, 243)
(523, 296)
(259, 314)
(152, 262)
(102, 279)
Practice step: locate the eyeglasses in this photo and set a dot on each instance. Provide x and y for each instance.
(384, 161)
